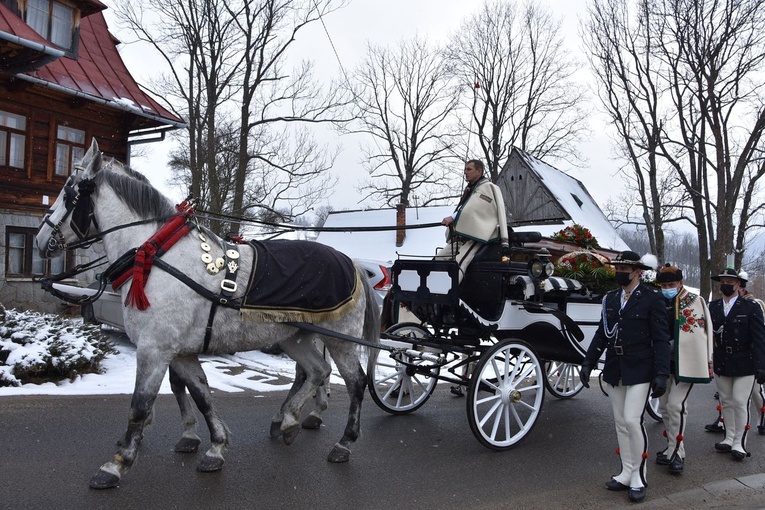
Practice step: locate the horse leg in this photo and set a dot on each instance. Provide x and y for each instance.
(313, 420)
(190, 370)
(149, 374)
(316, 370)
(276, 421)
(189, 442)
(346, 359)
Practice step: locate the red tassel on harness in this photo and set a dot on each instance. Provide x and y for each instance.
(163, 239)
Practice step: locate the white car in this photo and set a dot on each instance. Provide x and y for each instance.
(108, 308)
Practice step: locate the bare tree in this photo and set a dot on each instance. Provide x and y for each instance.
(516, 80)
(628, 74)
(402, 103)
(686, 97)
(296, 172)
(227, 60)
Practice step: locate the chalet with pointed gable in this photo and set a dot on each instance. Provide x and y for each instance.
(62, 83)
(541, 196)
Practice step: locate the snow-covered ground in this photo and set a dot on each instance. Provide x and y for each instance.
(254, 370)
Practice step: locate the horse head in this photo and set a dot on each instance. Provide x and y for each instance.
(71, 216)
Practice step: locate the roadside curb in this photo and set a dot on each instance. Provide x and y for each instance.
(746, 492)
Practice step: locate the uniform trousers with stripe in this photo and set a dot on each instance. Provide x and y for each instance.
(674, 412)
(735, 393)
(628, 404)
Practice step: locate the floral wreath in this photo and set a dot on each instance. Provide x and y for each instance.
(576, 234)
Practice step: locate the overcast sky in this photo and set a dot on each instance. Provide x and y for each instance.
(383, 22)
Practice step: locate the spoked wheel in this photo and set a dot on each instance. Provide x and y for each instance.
(505, 394)
(652, 406)
(396, 387)
(563, 379)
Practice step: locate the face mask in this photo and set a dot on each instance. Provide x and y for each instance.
(623, 279)
(726, 289)
(669, 293)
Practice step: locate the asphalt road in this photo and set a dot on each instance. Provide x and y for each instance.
(50, 446)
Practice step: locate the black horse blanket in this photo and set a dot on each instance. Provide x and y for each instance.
(299, 281)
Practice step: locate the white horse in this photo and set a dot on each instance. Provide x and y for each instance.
(171, 332)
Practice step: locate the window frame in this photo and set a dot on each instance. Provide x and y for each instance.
(51, 27)
(71, 145)
(28, 256)
(10, 133)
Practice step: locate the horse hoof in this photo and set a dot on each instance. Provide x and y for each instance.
(339, 454)
(311, 422)
(276, 429)
(187, 445)
(290, 434)
(210, 464)
(104, 480)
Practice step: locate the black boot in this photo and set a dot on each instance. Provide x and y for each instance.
(676, 465)
(716, 426)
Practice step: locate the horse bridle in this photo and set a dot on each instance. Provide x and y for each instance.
(78, 205)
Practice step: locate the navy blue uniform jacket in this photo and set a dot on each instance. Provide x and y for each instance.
(739, 345)
(642, 336)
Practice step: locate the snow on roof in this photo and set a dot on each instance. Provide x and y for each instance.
(576, 200)
(569, 192)
(381, 245)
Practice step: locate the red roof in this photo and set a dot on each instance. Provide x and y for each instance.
(99, 72)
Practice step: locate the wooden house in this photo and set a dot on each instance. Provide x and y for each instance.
(539, 195)
(62, 83)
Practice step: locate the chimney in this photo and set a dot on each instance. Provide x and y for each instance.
(400, 222)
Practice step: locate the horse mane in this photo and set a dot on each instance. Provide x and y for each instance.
(134, 189)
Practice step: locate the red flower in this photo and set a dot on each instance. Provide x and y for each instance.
(686, 327)
(687, 312)
(691, 321)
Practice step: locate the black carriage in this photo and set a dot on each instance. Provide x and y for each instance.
(509, 331)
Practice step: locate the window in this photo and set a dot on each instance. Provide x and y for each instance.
(70, 149)
(23, 259)
(52, 20)
(12, 140)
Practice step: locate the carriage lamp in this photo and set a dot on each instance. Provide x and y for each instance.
(540, 267)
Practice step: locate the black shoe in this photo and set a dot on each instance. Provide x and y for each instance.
(737, 455)
(717, 395)
(676, 465)
(761, 429)
(636, 494)
(717, 426)
(457, 391)
(722, 447)
(613, 485)
(661, 459)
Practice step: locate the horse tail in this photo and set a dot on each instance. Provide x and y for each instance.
(371, 330)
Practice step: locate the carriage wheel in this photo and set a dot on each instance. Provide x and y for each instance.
(393, 386)
(505, 394)
(563, 379)
(652, 406)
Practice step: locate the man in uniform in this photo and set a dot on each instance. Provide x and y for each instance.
(634, 333)
(479, 218)
(758, 392)
(690, 362)
(739, 358)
